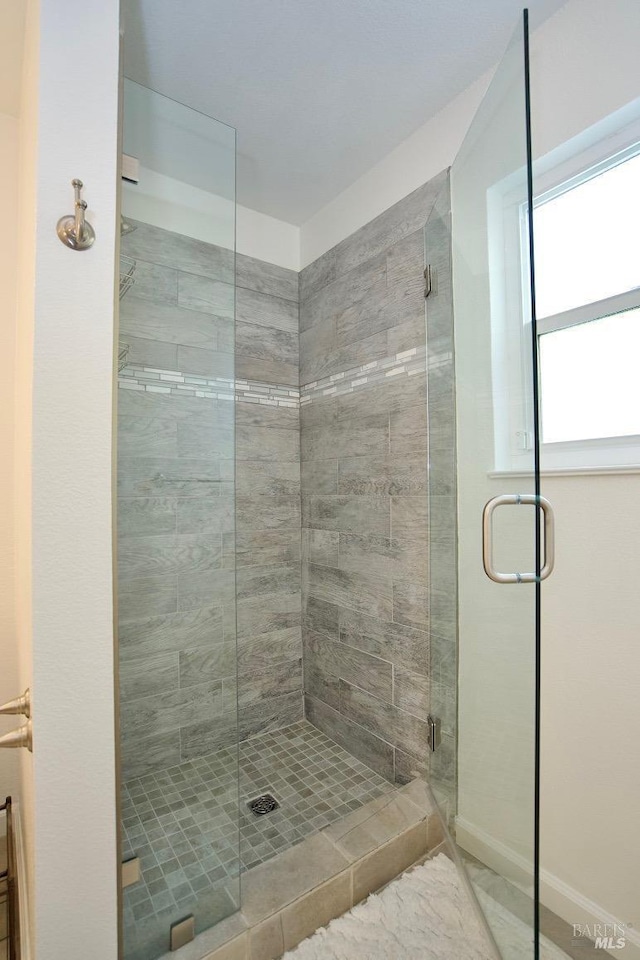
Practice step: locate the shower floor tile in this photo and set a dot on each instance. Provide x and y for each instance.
(183, 825)
(314, 780)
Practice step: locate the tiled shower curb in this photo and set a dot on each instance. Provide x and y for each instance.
(291, 896)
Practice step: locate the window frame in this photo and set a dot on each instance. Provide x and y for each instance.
(597, 452)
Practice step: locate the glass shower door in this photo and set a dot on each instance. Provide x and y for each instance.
(498, 564)
(176, 526)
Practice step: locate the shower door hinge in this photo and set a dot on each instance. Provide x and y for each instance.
(428, 285)
(434, 732)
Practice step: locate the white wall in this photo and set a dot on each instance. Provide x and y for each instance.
(9, 674)
(169, 203)
(64, 468)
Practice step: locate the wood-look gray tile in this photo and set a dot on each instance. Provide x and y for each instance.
(256, 581)
(268, 371)
(268, 614)
(408, 431)
(267, 682)
(164, 247)
(267, 547)
(355, 514)
(273, 713)
(387, 306)
(205, 295)
(142, 755)
(146, 517)
(207, 664)
(361, 437)
(256, 653)
(372, 750)
(406, 335)
(266, 343)
(321, 355)
(339, 660)
(168, 476)
(411, 603)
(319, 477)
(266, 278)
(153, 636)
(139, 403)
(410, 518)
(258, 415)
(321, 546)
(158, 555)
(267, 513)
(359, 591)
(361, 288)
(197, 362)
(196, 590)
(383, 476)
(384, 719)
(205, 440)
(151, 353)
(200, 739)
(266, 310)
(176, 708)
(147, 437)
(317, 274)
(411, 692)
(267, 443)
(397, 642)
(211, 516)
(264, 478)
(153, 676)
(392, 394)
(147, 597)
(154, 282)
(320, 684)
(320, 616)
(146, 319)
(384, 557)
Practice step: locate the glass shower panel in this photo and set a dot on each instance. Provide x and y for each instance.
(489, 783)
(176, 525)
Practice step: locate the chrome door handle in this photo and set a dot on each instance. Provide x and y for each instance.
(487, 537)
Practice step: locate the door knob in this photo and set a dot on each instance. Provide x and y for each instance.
(19, 705)
(22, 737)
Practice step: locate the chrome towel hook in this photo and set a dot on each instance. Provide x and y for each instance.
(75, 231)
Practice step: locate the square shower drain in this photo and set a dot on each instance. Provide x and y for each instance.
(266, 803)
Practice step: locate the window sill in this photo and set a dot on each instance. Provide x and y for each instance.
(597, 471)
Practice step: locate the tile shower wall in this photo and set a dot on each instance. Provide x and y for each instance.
(363, 371)
(268, 499)
(177, 552)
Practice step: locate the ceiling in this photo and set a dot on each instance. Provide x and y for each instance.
(318, 90)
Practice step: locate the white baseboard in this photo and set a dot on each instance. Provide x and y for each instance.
(566, 902)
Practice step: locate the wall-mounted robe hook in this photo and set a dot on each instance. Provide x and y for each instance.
(75, 231)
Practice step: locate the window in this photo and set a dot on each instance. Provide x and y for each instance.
(587, 251)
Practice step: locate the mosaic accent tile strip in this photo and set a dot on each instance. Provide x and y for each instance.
(154, 380)
(408, 363)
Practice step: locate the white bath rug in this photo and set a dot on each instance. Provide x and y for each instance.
(424, 915)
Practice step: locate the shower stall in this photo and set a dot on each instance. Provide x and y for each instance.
(272, 500)
(328, 633)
